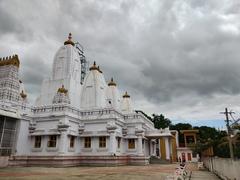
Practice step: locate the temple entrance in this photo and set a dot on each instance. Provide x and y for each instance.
(7, 135)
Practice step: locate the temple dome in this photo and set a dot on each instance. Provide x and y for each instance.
(66, 61)
(126, 104)
(113, 96)
(94, 89)
(66, 70)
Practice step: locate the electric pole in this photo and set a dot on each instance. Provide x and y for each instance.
(229, 131)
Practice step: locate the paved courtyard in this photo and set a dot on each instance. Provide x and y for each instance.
(150, 172)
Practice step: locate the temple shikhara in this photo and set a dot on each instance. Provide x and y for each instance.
(78, 118)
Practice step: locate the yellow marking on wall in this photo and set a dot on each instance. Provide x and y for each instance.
(162, 148)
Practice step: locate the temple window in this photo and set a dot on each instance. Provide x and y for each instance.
(190, 139)
(72, 140)
(131, 143)
(102, 142)
(52, 141)
(87, 142)
(37, 143)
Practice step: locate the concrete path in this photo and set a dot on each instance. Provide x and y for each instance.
(203, 175)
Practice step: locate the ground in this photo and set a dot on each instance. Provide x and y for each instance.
(152, 172)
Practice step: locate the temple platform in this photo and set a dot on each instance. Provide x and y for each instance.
(64, 161)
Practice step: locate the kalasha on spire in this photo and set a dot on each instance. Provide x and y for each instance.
(126, 95)
(94, 67)
(112, 83)
(69, 41)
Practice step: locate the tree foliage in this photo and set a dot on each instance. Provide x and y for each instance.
(207, 136)
(160, 121)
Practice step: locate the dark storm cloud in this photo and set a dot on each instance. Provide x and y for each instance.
(171, 55)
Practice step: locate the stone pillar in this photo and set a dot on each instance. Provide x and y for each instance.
(139, 145)
(159, 146)
(112, 142)
(167, 146)
(139, 134)
(154, 148)
(150, 147)
(63, 144)
(111, 128)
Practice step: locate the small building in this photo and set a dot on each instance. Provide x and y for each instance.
(185, 151)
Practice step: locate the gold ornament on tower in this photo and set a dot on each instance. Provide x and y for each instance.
(11, 60)
(69, 41)
(126, 95)
(62, 90)
(112, 83)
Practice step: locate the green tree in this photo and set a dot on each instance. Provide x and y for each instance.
(181, 126)
(160, 121)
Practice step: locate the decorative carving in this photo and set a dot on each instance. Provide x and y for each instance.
(111, 126)
(81, 128)
(63, 126)
(32, 126)
(124, 131)
(139, 132)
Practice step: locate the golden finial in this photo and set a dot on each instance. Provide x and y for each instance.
(126, 95)
(94, 67)
(23, 95)
(62, 90)
(69, 41)
(112, 83)
(70, 36)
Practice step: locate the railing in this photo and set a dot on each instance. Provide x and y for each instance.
(138, 116)
(83, 113)
(165, 131)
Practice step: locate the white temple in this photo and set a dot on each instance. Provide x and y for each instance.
(77, 119)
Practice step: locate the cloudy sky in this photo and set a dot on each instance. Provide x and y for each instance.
(179, 58)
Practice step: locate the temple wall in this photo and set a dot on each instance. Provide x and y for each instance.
(22, 138)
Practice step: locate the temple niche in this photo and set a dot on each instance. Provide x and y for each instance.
(78, 117)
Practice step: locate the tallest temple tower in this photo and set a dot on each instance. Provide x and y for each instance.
(65, 77)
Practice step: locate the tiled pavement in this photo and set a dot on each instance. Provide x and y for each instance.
(153, 172)
(203, 175)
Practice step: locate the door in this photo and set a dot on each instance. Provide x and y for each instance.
(189, 156)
